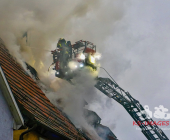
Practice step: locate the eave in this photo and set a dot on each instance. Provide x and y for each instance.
(15, 111)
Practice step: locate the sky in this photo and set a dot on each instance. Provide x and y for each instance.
(137, 56)
(132, 36)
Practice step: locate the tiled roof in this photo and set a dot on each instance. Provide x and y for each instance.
(31, 98)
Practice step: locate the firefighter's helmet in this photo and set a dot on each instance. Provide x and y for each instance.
(61, 42)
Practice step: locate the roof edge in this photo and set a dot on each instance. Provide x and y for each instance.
(6, 91)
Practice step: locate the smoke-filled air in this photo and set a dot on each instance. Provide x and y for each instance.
(31, 29)
(132, 37)
(47, 21)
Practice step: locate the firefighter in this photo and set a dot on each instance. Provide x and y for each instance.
(63, 46)
(61, 43)
(64, 52)
(69, 49)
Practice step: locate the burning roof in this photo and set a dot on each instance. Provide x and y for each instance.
(34, 105)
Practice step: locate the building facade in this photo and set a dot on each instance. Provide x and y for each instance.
(6, 120)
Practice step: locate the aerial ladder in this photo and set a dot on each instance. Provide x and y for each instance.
(108, 86)
(111, 89)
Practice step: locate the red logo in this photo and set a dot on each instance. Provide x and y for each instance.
(159, 123)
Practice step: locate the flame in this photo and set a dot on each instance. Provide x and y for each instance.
(41, 64)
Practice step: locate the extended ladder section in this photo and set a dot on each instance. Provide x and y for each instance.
(133, 107)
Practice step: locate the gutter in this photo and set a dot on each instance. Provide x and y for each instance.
(6, 91)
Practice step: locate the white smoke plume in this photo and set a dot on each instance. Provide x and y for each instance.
(72, 98)
(45, 22)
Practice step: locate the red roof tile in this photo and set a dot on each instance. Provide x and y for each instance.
(32, 99)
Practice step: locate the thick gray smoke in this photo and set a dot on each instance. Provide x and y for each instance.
(72, 98)
(133, 38)
(45, 22)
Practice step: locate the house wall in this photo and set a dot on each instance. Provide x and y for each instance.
(6, 120)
